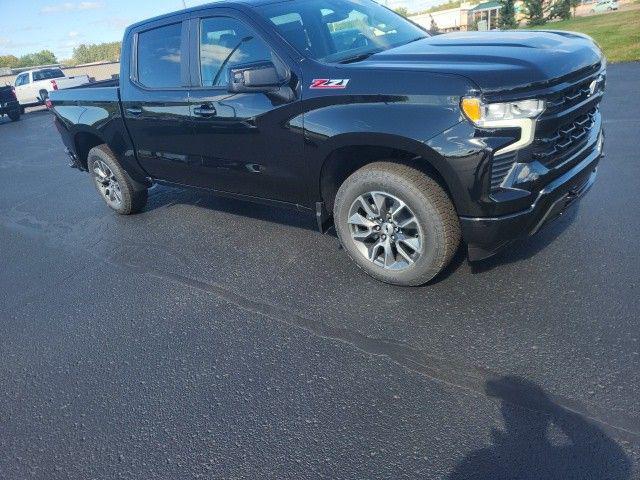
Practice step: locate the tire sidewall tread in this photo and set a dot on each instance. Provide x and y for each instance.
(134, 198)
(430, 204)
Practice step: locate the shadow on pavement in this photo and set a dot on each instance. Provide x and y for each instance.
(541, 440)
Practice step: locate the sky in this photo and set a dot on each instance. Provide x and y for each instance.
(28, 26)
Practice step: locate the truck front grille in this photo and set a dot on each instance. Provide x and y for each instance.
(568, 98)
(553, 149)
(569, 116)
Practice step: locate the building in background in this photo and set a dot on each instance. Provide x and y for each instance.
(468, 16)
(484, 16)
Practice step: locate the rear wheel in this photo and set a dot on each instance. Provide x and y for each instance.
(114, 185)
(396, 223)
(14, 115)
(43, 95)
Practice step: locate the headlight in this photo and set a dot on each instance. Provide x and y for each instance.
(495, 115)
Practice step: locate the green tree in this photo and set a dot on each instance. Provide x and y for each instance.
(43, 57)
(560, 9)
(10, 61)
(402, 11)
(507, 15)
(534, 12)
(88, 53)
(442, 6)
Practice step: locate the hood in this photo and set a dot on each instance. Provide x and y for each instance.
(495, 60)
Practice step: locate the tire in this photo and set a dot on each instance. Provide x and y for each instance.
(14, 115)
(114, 185)
(43, 95)
(424, 225)
(22, 110)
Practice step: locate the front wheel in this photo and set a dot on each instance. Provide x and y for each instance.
(396, 223)
(114, 185)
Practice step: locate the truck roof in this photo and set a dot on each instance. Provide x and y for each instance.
(215, 3)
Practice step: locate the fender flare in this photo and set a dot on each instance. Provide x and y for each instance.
(417, 153)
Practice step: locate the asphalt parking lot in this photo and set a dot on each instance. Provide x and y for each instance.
(208, 338)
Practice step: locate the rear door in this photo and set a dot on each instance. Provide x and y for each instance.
(155, 98)
(249, 143)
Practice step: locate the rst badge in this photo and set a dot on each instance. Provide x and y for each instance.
(329, 83)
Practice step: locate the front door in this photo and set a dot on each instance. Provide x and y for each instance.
(249, 143)
(155, 101)
(25, 91)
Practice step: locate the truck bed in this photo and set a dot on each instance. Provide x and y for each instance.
(111, 82)
(88, 95)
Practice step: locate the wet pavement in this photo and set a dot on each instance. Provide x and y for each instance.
(209, 338)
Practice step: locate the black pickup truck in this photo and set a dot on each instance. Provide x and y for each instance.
(9, 103)
(408, 143)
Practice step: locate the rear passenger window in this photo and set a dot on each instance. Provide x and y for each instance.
(224, 44)
(159, 57)
(47, 74)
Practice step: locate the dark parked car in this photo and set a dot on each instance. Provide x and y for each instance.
(9, 103)
(408, 143)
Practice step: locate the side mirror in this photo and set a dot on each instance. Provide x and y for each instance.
(258, 77)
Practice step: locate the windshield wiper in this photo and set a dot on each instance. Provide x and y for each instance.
(359, 57)
(364, 56)
(409, 41)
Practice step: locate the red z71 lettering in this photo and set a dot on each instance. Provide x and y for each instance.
(329, 83)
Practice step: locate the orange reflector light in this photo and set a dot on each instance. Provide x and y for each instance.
(471, 108)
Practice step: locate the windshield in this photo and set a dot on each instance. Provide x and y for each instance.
(340, 30)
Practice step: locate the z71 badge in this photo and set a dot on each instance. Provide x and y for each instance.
(332, 83)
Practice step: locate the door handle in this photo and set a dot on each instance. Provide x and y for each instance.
(134, 111)
(206, 110)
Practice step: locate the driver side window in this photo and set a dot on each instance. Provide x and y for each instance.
(224, 44)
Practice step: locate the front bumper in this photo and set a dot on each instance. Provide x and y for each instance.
(485, 236)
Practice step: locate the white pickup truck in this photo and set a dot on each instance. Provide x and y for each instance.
(32, 87)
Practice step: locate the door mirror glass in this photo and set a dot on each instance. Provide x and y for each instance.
(262, 77)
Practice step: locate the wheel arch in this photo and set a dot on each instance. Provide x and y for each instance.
(346, 158)
(84, 141)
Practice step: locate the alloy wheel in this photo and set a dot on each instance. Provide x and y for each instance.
(107, 184)
(385, 230)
